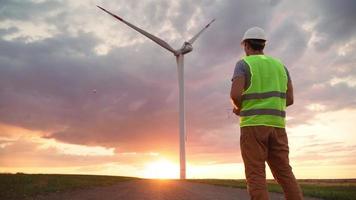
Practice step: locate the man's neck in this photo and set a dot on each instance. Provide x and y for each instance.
(255, 53)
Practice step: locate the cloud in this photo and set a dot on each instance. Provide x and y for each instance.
(54, 90)
(26, 148)
(75, 75)
(290, 49)
(335, 20)
(50, 87)
(27, 9)
(325, 153)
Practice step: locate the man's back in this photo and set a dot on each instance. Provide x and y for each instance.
(263, 102)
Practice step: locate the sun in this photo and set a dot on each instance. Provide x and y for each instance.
(161, 169)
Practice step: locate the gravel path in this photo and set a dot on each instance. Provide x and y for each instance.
(157, 190)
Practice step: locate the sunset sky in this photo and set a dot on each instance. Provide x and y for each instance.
(82, 93)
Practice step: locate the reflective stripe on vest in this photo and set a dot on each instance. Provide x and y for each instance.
(263, 112)
(263, 95)
(264, 101)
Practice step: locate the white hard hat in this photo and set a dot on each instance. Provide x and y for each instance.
(254, 33)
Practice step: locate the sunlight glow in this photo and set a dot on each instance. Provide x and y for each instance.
(161, 169)
(316, 107)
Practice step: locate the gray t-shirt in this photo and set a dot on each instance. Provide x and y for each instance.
(242, 69)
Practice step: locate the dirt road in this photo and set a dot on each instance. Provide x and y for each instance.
(156, 190)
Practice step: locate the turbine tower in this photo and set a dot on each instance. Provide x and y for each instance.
(179, 54)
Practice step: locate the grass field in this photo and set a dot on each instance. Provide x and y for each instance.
(333, 189)
(20, 186)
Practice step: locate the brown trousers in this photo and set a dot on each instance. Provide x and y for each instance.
(260, 144)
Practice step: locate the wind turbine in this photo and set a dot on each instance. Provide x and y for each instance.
(179, 54)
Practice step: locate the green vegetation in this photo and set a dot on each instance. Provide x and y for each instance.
(343, 189)
(20, 186)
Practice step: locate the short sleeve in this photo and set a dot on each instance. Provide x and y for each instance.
(289, 79)
(240, 69)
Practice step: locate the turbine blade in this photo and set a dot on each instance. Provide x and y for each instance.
(150, 36)
(191, 41)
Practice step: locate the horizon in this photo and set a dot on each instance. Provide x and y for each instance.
(83, 93)
(163, 179)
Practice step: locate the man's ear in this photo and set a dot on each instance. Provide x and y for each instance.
(247, 47)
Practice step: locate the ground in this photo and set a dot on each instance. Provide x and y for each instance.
(156, 190)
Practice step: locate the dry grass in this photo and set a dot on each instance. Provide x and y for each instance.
(329, 189)
(21, 186)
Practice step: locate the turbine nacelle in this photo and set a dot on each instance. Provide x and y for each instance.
(186, 48)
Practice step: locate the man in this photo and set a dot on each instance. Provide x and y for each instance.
(261, 90)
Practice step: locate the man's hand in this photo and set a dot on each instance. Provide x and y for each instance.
(236, 111)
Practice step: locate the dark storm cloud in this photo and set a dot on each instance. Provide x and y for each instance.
(312, 69)
(233, 18)
(288, 40)
(331, 21)
(51, 85)
(336, 21)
